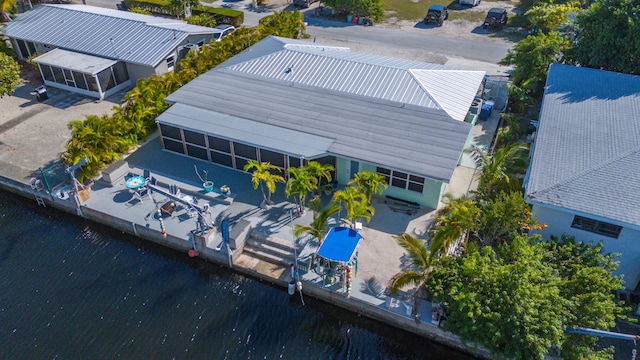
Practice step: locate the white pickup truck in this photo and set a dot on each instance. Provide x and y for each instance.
(469, 2)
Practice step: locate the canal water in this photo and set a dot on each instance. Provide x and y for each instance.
(72, 289)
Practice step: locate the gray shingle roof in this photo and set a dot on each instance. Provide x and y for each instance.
(587, 149)
(112, 34)
(415, 138)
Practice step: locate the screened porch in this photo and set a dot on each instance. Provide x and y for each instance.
(85, 74)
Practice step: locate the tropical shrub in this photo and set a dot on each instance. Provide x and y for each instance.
(9, 74)
(143, 104)
(202, 20)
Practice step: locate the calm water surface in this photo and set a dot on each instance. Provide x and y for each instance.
(71, 289)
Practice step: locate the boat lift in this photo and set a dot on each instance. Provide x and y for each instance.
(202, 223)
(75, 184)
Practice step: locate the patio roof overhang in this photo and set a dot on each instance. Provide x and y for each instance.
(245, 131)
(83, 63)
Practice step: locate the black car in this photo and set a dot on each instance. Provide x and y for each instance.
(496, 18)
(436, 14)
(303, 3)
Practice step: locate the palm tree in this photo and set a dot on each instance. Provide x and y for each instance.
(454, 220)
(370, 182)
(264, 177)
(496, 170)
(182, 7)
(355, 203)
(318, 228)
(320, 171)
(300, 183)
(421, 267)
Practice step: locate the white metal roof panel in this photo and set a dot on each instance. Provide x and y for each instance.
(587, 145)
(139, 39)
(78, 62)
(338, 69)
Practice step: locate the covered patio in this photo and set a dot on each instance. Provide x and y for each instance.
(85, 74)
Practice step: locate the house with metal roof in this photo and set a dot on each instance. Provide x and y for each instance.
(584, 175)
(284, 101)
(97, 51)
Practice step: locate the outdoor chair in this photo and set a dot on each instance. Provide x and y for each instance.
(141, 193)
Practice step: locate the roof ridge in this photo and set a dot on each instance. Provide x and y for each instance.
(76, 9)
(423, 87)
(138, 21)
(592, 169)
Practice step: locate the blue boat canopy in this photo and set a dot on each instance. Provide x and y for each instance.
(339, 244)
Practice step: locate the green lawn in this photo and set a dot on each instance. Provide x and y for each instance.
(407, 9)
(417, 9)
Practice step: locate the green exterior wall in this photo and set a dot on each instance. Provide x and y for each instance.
(430, 197)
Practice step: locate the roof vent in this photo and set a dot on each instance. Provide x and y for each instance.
(288, 70)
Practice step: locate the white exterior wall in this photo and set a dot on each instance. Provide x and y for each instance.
(139, 71)
(194, 39)
(627, 244)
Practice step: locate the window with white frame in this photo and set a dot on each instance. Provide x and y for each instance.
(402, 180)
(595, 226)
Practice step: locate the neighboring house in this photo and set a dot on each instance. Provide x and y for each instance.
(584, 179)
(284, 100)
(96, 51)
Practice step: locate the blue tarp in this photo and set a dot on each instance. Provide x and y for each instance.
(339, 244)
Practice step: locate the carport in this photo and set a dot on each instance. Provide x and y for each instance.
(85, 74)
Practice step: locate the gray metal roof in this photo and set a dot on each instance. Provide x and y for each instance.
(381, 77)
(587, 149)
(71, 60)
(253, 133)
(113, 34)
(418, 139)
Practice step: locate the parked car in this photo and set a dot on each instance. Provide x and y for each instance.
(469, 2)
(496, 18)
(303, 3)
(436, 14)
(224, 31)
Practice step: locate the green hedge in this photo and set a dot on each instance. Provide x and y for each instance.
(221, 15)
(155, 6)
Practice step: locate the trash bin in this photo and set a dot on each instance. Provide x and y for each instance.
(41, 93)
(486, 110)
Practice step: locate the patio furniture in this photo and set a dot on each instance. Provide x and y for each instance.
(137, 184)
(168, 208)
(140, 193)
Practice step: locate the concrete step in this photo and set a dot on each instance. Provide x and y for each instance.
(270, 242)
(272, 258)
(270, 249)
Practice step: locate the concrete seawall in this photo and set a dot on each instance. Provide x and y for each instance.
(353, 304)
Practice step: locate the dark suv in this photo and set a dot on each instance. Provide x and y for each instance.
(496, 18)
(436, 14)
